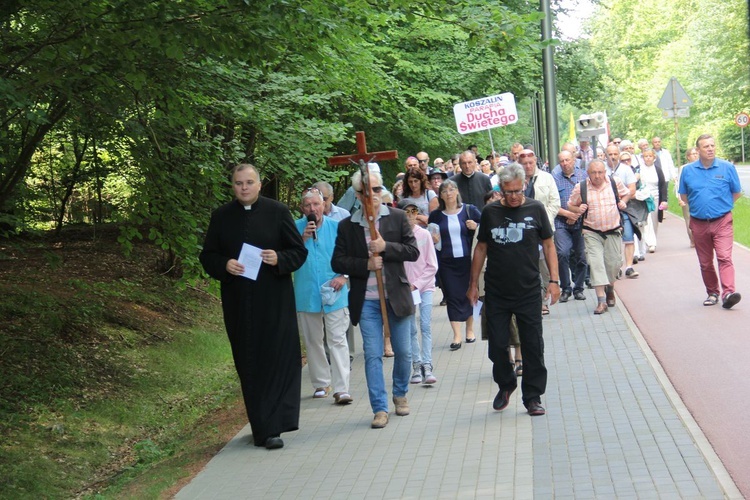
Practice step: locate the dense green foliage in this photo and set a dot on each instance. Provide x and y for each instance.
(637, 46)
(133, 112)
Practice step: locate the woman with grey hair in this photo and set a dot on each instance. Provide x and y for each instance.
(457, 222)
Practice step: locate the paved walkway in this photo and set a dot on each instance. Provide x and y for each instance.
(615, 427)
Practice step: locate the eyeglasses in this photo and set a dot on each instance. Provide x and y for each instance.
(412, 211)
(521, 156)
(313, 190)
(518, 192)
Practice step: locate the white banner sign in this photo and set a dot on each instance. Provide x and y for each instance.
(485, 113)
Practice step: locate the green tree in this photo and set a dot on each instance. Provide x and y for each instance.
(643, 44)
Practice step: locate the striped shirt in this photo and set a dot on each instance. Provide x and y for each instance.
(371, 291)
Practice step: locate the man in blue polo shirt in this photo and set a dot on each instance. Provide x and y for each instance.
(711, 186)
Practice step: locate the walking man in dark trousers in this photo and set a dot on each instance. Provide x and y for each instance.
(509, 236)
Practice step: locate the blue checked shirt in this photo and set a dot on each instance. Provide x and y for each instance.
(565, 186)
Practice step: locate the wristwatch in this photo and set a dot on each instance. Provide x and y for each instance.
(555, 281)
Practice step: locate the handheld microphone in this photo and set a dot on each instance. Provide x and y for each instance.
(311, 218)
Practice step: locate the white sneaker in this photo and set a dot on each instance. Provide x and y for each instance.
(416, 377)
(427, 377)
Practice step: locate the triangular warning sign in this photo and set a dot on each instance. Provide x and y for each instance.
(675, 96)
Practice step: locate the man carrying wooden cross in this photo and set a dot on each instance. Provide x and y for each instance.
(360, 253)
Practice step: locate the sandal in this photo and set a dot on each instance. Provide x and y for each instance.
(342, 398)
(711, 300)
(519, 367)
(321, 392)
(545, 310)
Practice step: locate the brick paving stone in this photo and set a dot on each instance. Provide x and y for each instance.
(610, 431)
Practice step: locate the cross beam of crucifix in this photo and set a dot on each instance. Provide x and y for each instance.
(362, 154)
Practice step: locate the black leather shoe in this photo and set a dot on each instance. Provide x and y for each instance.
(730, 300)
(535, 408)
(502, 399)
(564, 296)
(579, 295)
(274, 443)
(456, 346)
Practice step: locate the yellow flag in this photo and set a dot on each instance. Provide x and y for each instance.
(572, 129)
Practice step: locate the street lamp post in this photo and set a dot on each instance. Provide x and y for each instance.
(550, 89)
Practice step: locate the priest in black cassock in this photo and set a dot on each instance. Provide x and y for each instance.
(260, 315)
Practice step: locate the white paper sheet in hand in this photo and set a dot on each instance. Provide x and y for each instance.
(251, 259)
(416, 297)
(477, 310)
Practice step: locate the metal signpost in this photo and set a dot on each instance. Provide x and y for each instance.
(742, 119)
(676, 104)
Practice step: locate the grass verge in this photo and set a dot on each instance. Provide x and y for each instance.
(740, 214)
(112, 376)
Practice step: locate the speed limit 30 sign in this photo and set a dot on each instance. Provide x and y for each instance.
(742, 119)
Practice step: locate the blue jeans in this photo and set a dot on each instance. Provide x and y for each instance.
(425, 321)
(571, 258)
(371, 326)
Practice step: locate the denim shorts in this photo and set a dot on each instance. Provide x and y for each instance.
(627, 228)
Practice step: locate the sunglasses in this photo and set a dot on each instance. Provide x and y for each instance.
(625, 160)
(375, 189)
(521, 156)
(423, 161)
(616, 142)
(412, 211)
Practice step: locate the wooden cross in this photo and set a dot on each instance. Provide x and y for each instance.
(362, 154)
(361, 159)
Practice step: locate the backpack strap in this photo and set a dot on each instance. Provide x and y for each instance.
(584, 192)
(582, 184)
(614, 189)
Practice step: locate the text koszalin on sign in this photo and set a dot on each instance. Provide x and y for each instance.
(485, 113)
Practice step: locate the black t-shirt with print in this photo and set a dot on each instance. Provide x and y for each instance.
(513, 236)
